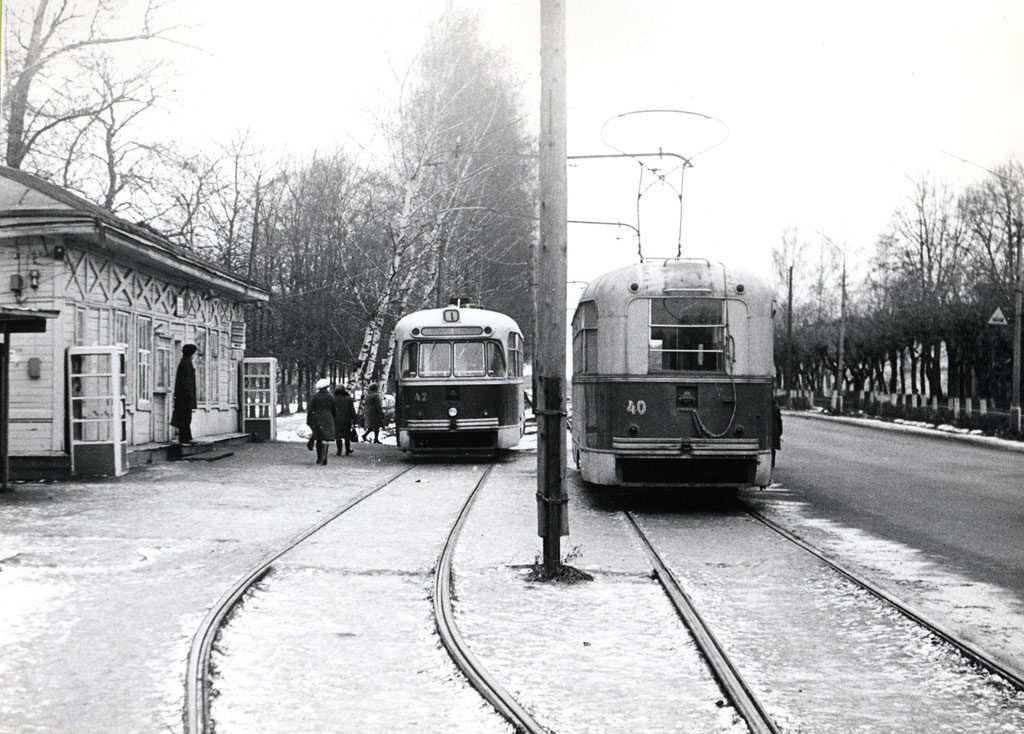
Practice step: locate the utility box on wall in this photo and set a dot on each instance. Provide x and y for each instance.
(258, 396)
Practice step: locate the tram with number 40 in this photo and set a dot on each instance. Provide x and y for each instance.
(672, 377)
(458, 381)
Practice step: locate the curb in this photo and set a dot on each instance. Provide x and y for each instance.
(991, 442)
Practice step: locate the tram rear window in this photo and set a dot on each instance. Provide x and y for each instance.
(461, 358)
(687, 335)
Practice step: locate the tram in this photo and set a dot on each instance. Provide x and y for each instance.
(672, 377)
(458, 381)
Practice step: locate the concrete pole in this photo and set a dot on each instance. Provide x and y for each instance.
(551, 274)
(789, 336)
(841, 376)
(1015, 388)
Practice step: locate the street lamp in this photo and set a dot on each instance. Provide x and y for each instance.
(840, 367)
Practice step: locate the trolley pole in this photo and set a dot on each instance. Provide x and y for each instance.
(551, 273)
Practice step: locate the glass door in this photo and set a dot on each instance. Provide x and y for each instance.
(98, 419)
(259, 397)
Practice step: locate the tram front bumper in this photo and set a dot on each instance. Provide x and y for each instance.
(696, 462)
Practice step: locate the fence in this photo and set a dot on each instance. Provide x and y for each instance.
(972, 414)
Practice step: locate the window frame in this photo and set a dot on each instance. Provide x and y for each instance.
(718, 342)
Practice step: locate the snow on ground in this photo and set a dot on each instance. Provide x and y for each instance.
(989, 616)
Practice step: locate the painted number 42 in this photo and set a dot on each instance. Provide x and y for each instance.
(637, 408)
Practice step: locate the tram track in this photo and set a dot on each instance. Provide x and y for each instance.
(971, 652)
(725, 672)
(444, 615)
(197, 678)
(198, 684)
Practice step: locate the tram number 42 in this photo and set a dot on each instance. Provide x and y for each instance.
(636, 408)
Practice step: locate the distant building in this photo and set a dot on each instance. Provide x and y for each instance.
(114, 284)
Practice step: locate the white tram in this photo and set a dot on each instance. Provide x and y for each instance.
(458, 381)
(672, 376)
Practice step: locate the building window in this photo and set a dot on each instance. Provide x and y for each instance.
(201, 365)
(144, 344)
(214, 366)
(163, 368)
(81, 325)
(122, 327)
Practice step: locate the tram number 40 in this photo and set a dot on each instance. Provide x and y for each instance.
(636, 408)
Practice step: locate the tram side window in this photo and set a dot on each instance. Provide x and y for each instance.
(435, 359)
(515, 355)
(584, 340)
(469, 359)
(687, 334)
(410, 352)
(495, 360)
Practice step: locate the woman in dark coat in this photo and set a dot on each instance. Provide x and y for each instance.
(320, 419)
(373, 414)
(344, 414)
(184, 395)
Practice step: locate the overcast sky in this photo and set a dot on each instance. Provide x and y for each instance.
(827, 110)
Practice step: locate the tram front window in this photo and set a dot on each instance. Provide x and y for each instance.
(435, 359)
(687, 334)
(469, 359)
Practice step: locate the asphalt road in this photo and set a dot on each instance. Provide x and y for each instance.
(958, 502)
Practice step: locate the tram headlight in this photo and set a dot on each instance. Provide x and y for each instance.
(740, 430)
(452, 412)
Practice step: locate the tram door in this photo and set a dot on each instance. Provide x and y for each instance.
(97, 398)
(259, 397)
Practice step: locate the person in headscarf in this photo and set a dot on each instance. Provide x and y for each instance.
(373, 414)
(344, 415)
(320, 419)
(184, 395)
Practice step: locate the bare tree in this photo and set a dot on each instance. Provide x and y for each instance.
(46, 41)
(457, 152)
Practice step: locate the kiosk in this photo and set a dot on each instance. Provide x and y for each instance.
(97, 397)
(259, 397)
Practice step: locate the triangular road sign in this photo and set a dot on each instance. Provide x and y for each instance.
(998, 319)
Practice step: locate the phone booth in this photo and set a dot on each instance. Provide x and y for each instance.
(98, 419)
(259, 397)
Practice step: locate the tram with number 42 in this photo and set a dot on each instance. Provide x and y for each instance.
(458, 381)
(672, 377)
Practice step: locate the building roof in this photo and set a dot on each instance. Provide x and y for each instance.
(31, 206)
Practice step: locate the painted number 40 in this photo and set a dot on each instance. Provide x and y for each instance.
(637, 408)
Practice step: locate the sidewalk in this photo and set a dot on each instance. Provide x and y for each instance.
(104, 582)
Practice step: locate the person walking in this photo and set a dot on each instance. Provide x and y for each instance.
(373, 414)
(184, 395)
(344, 415)
(320, 419)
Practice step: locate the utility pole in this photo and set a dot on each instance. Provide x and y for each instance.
(789, 335)
(551, 274)
(1017, 293)
(841, 377)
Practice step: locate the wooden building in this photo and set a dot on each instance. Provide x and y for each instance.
(114, 284)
